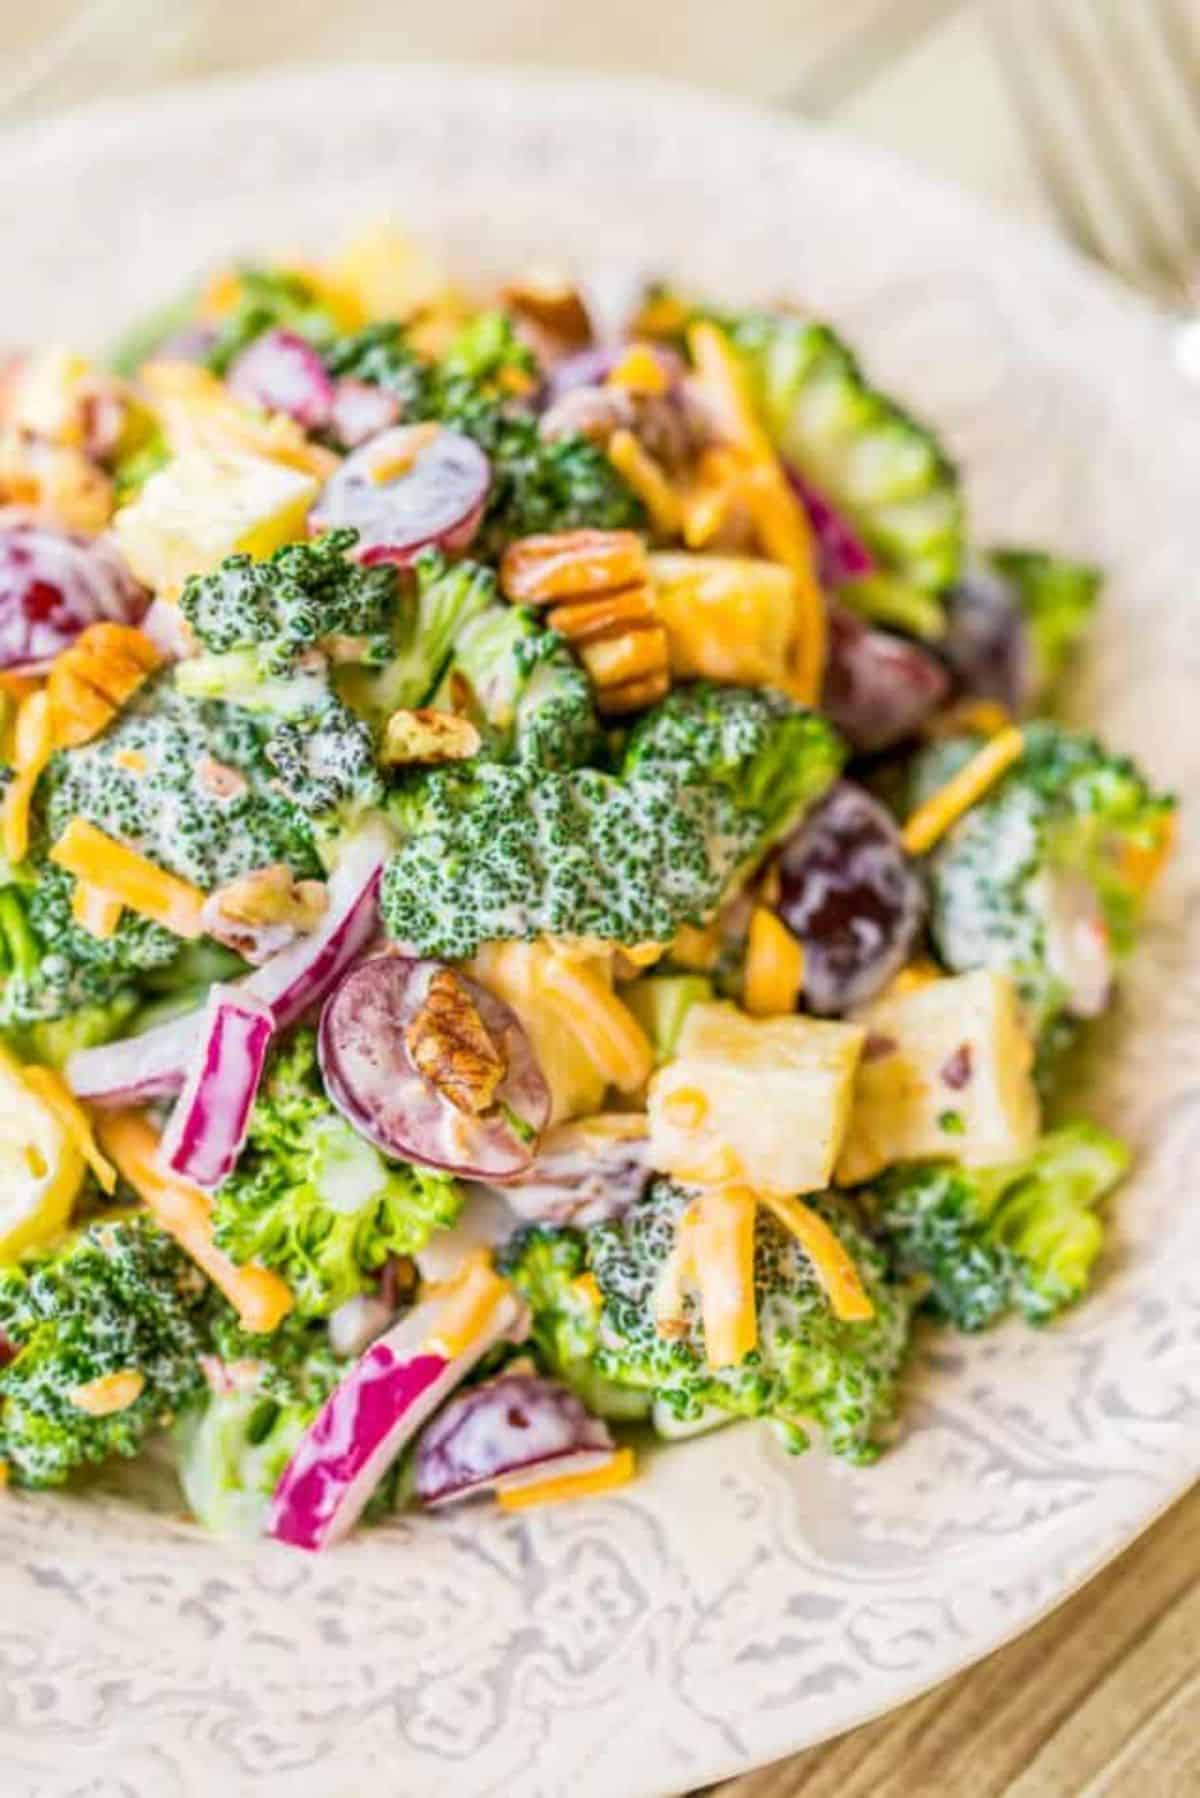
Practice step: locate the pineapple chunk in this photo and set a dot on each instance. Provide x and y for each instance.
(204, 506)
(947, 1070)
(764, 1101)
(41, 1168)
(727, 618)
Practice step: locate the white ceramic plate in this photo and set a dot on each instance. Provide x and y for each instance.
(733, 1605)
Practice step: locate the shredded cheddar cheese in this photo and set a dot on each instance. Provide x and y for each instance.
(123, 875)
(774, 973)
(639, 469)
(945, 807)
(832, 1265)
(468, 1301)
(95, 911)
(616, 1472)
(259, 1296)
(640, 371)
(112, 1392)
(1142, 863)
(33, 747)
(723, 1248)
(607, 1030)
(57, 1097)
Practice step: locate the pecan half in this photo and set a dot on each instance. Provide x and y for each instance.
(450, 1047)
(425, 734)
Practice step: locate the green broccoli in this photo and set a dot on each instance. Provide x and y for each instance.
(860, 450)
(808, 1365)
(117, 1297)
(267, 298)
(494, 852)
(324, 759)
(185, 783)
(536, 486)
(989, 1239)
(232, 1443)
(445, 597)
(523, 688)
(381, 356)
(313, 1199)
(1057, 599)
(1058, 849)
(293, 602)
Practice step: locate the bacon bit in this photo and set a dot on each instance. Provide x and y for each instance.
(648, 479)
(427, 735)
(404, 447)
(90, 682)
(450, 1047)
(955, 1071)
(112, 1392)
(219, 780)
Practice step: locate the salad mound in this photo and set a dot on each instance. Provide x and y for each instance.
(535, 908)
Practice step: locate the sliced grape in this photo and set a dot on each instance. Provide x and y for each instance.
(361, 410)
(409, 487)
(848, 892)
(53, 585)
(509, 1431)
(841, 553)
(281, 372)
(986, 642)
(879, 688)
(372, 1078)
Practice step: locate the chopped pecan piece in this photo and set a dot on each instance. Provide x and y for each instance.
(571, 565)
(450, 1046)
(425, 734)
(273, 895)
(548, 301)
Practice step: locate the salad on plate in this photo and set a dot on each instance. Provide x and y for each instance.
(543, 901)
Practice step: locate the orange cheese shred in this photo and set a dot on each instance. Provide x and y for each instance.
(945, 807)
(616, 1472)
(833, 1267)
(124, 875)
(639, 469)
(609, 1034)
(33, 745)
(57, 1097)
(722, 1241)
(260, 1297)
(774, 974)
(468, 1301)
(95, 911)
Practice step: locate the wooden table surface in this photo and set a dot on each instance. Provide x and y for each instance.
(1104, 1696)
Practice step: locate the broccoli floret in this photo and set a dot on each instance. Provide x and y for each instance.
(808, 1364)
(324, 759)
(495, 852)
(293, 602)
(148, 782)
(769, 755)
(117, 1297)
(381, 356)
(232, 1443)
(1058, 601)
(445, 597)
(313, 1199)
(990, 1239)
(52, 1041)
(536, 486)
(1072, 825)
(861, 451)
(523, 688)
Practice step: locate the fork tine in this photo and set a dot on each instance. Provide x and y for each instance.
(1045, 138)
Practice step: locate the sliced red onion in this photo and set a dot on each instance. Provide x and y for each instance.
(356, 1323)
(281, 372)
(138, 1068)
(842, 554)
(364, 1423)
(584, 1172)
(300, 976)
(205, 1132)
(371, 1078)
(508, 1432)
(361, 410)
(437, 496)
(53, 584)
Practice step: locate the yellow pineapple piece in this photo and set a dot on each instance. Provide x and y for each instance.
(763, 1101)
(946, 1070)
(727, 618)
